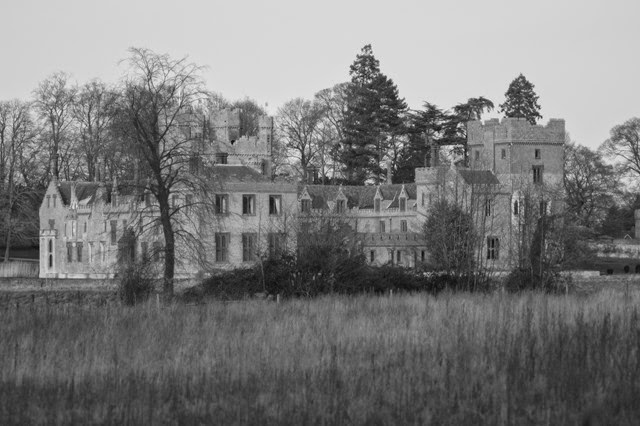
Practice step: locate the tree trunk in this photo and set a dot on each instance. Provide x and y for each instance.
(7, 240)
(169, 240)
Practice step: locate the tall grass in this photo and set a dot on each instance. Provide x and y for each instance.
(412, 359)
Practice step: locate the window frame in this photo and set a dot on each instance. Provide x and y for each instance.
(222, 247)
(249, 244)
(538, 172)
(305, 205)
(493, 248)
(275, 205)
(221, 204)
(248, 204)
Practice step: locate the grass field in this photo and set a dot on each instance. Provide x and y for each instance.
(410, 359)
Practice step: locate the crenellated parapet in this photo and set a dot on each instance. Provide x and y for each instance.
(515, 131)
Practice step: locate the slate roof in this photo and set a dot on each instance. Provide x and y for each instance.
(357, 196)
(88, 190)
(237, 173)
(478, 177)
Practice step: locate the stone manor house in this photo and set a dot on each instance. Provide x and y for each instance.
(515, 168)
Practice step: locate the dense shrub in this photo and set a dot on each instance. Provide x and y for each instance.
(550, 281)
(289, 276)
(135, 282)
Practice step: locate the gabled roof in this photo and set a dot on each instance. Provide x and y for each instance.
(86, 191)
(478, 177)
(236, 173)
(357, 196)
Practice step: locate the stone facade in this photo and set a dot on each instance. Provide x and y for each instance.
(515, 177)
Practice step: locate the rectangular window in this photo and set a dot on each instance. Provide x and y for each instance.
(85, 227)
(74, 226)
(423, 255)
(194, 165)
(543, 208)
(249, 204)
(157, 251)
(144, 251)
(372, 256)
(221, 158)
(124, 224)
(403, 226)
(91, 253)
(537, 154)
(487, 208)
(399, 257)
(222, 204)
(492, 248)
(103, 252)
(54, 200)
(537, 174)
(69, 253)
(403, 204)
(48, 201)
(503, 153)
(65, 230)
(382, 226)
(275, 204)
(376, 204)
(305, 206)
(340, 206)
(52, 223)
(249, 247)
(114, 236)
(79, 250)
(423, 197)
(516, 209)
(222, 247)
(188, 202)
(276, 243)
(477, 155)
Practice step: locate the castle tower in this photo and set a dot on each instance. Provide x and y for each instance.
(517, 151)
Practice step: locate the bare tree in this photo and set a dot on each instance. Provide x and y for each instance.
(158, 95)
(54, 101)
(589, 185)
(623, 146)
(17, 132)
(334, 103)
(298, 122)
(93, 112)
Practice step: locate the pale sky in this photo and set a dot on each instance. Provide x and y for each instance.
(582, 56)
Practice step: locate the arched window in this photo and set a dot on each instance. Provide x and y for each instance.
(516, 209)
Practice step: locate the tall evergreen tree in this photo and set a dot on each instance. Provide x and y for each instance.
(521, 101)
(372, 119)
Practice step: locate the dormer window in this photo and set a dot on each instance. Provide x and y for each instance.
(376, 204)
(305, 206)
(340, 206)
(403, 204)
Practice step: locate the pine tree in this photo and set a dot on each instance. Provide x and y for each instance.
(521, 101)
(373, 117)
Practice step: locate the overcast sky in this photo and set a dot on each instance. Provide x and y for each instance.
(582, 56)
